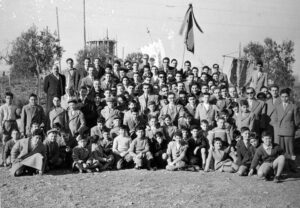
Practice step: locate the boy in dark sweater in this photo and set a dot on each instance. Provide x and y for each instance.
(272, 158)
(245, 152)
(197, 146)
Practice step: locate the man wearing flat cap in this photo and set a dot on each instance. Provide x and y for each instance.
(109, 112)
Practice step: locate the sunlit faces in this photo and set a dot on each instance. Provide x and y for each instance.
(254, 142)
(174, 63)
(204, 126)
(217, 93)
(56, 102)
(167, 121)
(52, 137)
(153, 122)
(284, 97)
(83, 92)
(8, 99)
(70, 64)
(108, 77)
(15, 135)
(107, 93)
(140, 133)
(35, 140)
(72, 106)
(194, 133)
(180, 86)
(267, 140)
(250, 93)
(195, 89)
(55, 69)
(233, 92)
(171, 98)
(146, 89)
(204, 89)
(178, 77)
(224, 92)
(221, 123)
(274, 92)
(205, 98)
(96, 85)
(246, 134)
(192, 100)
(164, 91)
(218, 145)
(33, 100)
(86, 62)
(82, 143)
(116, 66)
(244, 108)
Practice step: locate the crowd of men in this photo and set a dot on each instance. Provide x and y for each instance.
(138, 115)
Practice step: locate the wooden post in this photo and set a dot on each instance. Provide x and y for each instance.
(58, 35)
(38, 81)
(84, 30)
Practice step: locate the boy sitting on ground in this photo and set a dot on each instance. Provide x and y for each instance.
(140, 150)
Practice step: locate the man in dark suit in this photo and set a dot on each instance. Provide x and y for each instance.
(54, 85)
(288, 120)
(258, 108)
(222, 76)
(31, 112)
(271, 115)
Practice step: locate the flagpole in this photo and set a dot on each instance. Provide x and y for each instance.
(182, 64)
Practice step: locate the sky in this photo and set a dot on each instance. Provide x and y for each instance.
(226, 24)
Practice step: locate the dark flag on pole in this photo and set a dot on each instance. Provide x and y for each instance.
(188, 21)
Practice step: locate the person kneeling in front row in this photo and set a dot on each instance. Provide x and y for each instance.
(272, 158)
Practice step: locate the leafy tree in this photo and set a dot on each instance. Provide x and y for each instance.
(278, 59)
(33, 52)
(135, 56)
(92, 53)
(34, 49)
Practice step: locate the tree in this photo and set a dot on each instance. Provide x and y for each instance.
(92, 53)
(278, 60)
(33, 52)
(135, 56)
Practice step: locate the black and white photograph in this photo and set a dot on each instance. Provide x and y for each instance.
(149, 103)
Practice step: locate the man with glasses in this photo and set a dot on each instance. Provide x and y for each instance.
(258, 78)
(258, 108)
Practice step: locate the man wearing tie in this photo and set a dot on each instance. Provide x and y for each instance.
(271, 115)
(258, 78)
(146, 97)
(288, 120)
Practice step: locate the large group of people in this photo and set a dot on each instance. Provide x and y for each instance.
(137, 115)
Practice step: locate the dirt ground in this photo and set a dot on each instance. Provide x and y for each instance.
(142, 188)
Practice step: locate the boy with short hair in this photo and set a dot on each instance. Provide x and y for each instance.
(140, 150)
(176, 153)
(52, 150)
(120, 149)
(15, 136)
(196, 148)
(245, 152)
(272, 158)
(81, 156)
(220, 132)
(99, 160)
(158, 146)
(66, 144)
(114, 132)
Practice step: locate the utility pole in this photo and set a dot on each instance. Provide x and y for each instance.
(123, 52)
(58, 35)
(84, 30)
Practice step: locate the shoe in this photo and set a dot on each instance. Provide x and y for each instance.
(89, 171)
(97, 170)
(277, 179)
(80, 171)
(137, 167)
